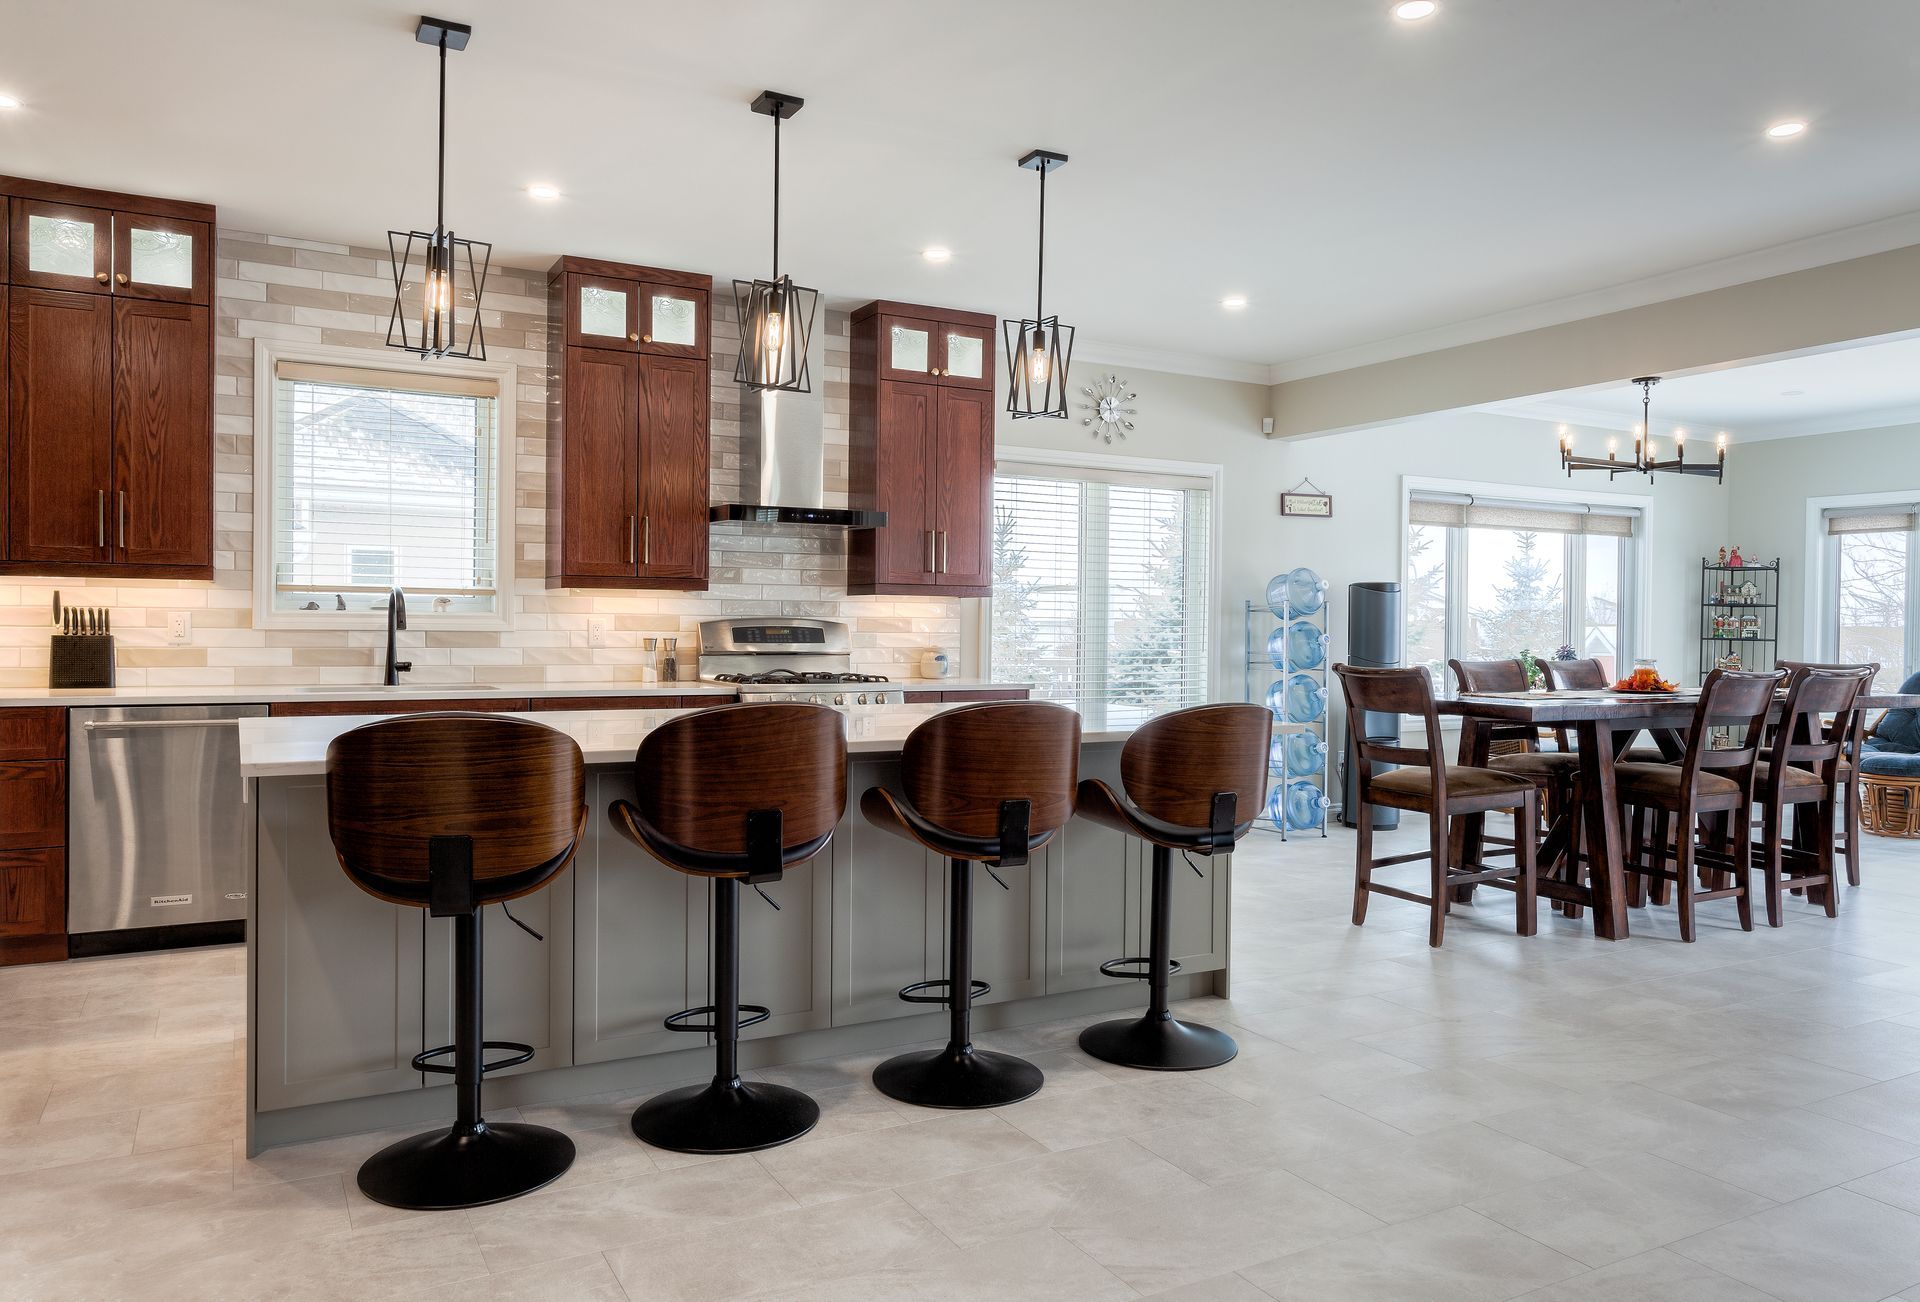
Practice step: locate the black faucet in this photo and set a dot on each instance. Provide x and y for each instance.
(396, 620)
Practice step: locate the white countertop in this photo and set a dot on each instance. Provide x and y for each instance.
(87, 696)
(294, 746)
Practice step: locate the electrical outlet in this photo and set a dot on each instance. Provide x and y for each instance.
(179, 627)
(597, 630)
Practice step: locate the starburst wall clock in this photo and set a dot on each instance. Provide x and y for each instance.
(1107, 409)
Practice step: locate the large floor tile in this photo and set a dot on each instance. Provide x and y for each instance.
(1147, 1102)
(1790, 1154)
(1890, 1107)
(1439, 1100)
(1757, 1085)
(1628, 1119)
(77, 1139)
(1835, 1246)
(1656, 1276)
(587, 1278)
(945, 1145)
(1432, 1172)
(1240, 1143)
(1039, 1266)
(1450, 1256)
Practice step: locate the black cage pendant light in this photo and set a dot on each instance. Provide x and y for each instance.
(1039, 348)
(437, 278)
(776, 316)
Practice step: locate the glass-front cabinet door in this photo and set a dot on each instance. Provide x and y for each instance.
(160, 258)
(966, 355)
(61, 246)
(673, 320)
(603, 312)
(909, 349)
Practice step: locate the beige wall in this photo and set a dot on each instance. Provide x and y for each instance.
(293, 289)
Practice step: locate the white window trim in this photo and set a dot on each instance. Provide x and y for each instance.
(1635, 634)
(1820, 596)
(267, 355)
(976, 620)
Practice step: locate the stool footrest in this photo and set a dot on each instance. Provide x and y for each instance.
(914, 994)
(521, 1053)
(756, 1014)
(1142, 968)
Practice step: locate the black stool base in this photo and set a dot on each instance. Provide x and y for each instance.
(447, 1170)
(742, 1117)
(1158, 1044)
(957, 1078)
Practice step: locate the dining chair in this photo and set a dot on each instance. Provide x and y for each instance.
(1847, 829)
(1518, 745)
(1427, 784)
(1802, 769)
(1708, 780)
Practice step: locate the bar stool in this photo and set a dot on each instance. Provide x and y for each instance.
(981, 784)
(1803, 768)
(451, 813)
(1193, 781)
(738, 793)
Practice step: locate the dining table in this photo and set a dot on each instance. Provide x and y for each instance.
(1603, 723)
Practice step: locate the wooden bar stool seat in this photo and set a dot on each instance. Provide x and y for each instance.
(1191, 781)
(738, 793)
(451, 813)
(1805, 767)
(982, 784)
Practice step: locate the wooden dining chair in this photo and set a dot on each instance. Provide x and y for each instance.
(1847, 829)
(1708, 780)
(1802, 769)
(1427, 784)
(1515, 748)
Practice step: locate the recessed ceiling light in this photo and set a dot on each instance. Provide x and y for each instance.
(936, 254)
(544, 191)
(8, 102)
(1786, 130)
(1412, 11)
(1234, 302)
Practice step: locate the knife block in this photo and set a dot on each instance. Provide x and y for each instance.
(80, 660)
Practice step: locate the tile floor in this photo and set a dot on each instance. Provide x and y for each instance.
(1555, 1119)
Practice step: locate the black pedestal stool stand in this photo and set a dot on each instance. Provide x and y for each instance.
(451, 813)
(740, 793)
(982, 784)
(1191, 781)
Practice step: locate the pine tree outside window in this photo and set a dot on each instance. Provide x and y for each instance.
(1101, 588)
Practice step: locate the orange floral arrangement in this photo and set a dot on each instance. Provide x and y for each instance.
(1645, 680)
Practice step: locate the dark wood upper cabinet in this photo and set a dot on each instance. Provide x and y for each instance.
(59, 426)
(627, 426)
(109, 410)
(922, 445)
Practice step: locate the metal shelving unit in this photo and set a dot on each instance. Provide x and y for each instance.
(1259, 674)
(1734, 621)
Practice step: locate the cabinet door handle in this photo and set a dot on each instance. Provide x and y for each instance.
(930, 568)
(100, 276)
(633, 338)
(646, 540)
(943, 551)
(646, 339)
(631, 527)
(121, 277)
(123, 519)
(100, 524)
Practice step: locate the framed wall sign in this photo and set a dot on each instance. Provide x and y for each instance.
(1299, 501)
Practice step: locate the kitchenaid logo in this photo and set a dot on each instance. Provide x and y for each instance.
(162, 901)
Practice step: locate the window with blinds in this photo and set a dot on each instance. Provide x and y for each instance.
(1100, 589)
(381, 479)
(1872, 597)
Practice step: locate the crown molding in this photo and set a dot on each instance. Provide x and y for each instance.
(1154, 359)
(1759, 264)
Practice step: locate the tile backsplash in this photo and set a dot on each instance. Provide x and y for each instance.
(281, 288)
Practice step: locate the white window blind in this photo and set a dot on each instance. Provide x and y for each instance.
(1877, 519)
(383, 478)
(1100, 588)
(1457, 511)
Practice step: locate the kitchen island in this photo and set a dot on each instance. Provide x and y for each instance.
(343, 989)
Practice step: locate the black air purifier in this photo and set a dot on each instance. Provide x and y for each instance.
(1374, 624)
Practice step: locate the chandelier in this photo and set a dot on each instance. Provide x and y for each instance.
(1646, 461)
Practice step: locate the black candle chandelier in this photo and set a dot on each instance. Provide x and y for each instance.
(1039, 348)
(1645, 460)
(437, 271)
(776, 316)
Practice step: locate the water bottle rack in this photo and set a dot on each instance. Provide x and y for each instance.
(1259, 675)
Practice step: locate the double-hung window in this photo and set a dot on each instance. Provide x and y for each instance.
(1871, 598)
(379, 476)
(1101, 587)
(1486, 580)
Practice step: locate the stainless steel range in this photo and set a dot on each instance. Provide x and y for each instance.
(789, 660)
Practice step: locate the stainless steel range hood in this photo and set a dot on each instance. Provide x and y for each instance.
(783, 457)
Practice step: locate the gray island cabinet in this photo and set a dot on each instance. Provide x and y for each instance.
(344, 989)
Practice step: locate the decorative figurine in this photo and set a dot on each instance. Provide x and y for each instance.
(1733, 558)
(1723, 556)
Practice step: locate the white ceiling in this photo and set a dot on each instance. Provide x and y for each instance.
(1373, 187)
(1864, 387)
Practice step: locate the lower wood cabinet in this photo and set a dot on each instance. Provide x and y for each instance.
(33, 836)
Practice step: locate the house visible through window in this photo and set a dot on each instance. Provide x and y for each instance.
(380, 479)
(1870, 590)
(1489, 580)
(1100, 588)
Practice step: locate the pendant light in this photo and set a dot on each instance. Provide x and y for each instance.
(435, 274)
(1645, 460)
(776, 316)
(1039, 348)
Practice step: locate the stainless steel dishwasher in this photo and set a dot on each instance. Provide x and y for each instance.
(160, 840)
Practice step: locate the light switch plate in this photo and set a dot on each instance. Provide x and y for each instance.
(179, 628)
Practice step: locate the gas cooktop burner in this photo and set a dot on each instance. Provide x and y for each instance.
(775, 677)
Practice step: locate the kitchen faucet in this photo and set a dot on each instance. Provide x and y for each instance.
(396, 620)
